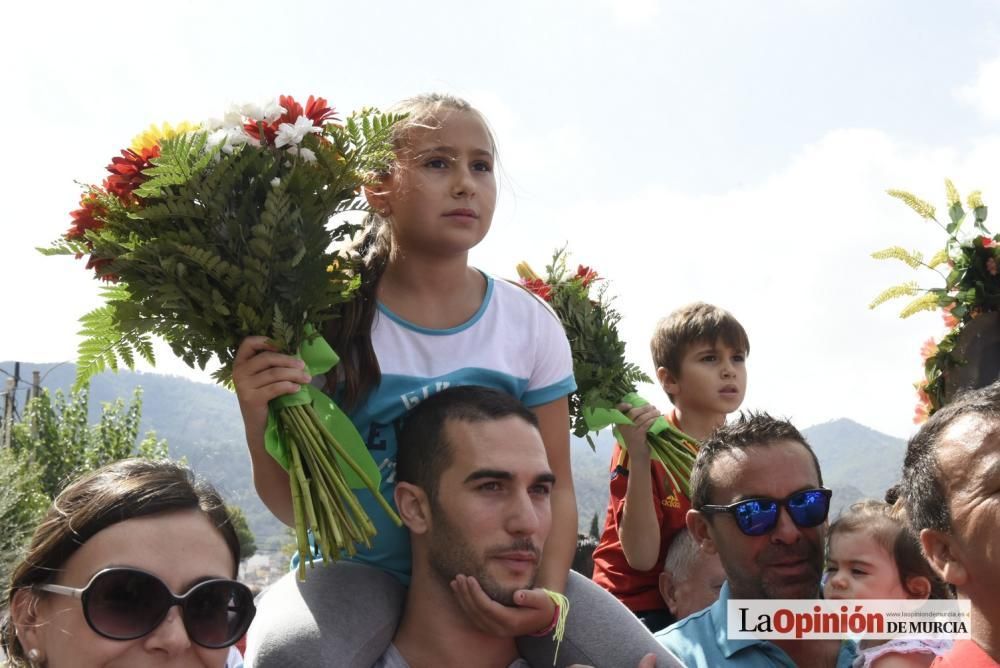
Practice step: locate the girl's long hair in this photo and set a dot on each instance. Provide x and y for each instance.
(350, 333)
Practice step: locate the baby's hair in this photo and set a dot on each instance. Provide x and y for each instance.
(350, 332)
(884, 524)
(690, 324)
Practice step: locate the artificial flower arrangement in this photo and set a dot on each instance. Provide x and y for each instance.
(209, 233)
(968, 266)
(604, 378)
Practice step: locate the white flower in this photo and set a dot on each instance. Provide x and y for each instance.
(289, 134)
(228, 137)
(275, 182)
(304, 153)
(268, 112)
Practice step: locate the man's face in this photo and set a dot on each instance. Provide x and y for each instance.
(788, 561)
(968, 456)
(697, 591)
(492, 514)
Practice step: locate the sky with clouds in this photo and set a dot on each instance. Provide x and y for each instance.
(726, 151)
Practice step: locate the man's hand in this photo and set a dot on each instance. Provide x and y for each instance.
(533, 610)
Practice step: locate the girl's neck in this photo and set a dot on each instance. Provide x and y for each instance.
(432, 292)
(699, 425)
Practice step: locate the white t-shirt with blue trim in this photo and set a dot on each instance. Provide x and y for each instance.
(514, 343)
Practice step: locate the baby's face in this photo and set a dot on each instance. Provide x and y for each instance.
(858, 567)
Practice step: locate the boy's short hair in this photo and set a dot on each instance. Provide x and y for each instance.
(689, 325)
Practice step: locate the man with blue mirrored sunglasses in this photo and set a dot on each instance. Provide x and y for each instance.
(758, 502)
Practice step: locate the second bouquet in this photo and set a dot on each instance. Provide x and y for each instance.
(208, 233)
(603, 376)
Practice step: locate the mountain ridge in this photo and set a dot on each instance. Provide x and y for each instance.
(201, 422)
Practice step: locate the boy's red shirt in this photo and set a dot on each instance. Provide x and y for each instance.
(638, 590)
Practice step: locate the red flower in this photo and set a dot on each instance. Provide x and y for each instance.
(586, 275)
(987, 242)
(923, 408)
(126, 172)
(539, 287)
(950, 321)
(316, 111)
(90, 217)
(87, 217)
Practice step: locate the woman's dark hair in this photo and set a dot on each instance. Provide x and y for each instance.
(350, 332)
(123, 490)
(887, 527)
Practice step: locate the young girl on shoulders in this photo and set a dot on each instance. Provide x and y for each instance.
(874, 555)
(423, 320)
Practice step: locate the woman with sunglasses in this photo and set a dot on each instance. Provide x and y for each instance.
(132, 566)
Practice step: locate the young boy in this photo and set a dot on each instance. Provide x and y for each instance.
(700, 355)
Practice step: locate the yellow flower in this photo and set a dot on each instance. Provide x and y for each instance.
(975, 199)
(952, 193)
(920, 206)
(154, 134)
(525, 271)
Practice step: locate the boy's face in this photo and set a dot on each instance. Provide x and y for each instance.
(712, 379)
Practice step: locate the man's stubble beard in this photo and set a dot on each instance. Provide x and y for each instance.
(450, 554)
(757, 587)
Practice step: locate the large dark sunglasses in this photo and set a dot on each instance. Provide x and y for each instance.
(126, 603)
(756, 517)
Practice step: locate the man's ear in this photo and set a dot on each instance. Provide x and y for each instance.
(944, 556)
(918, 586)
(27, 623)
(667, 591)
(667, 381)
(414, 507)
(697, 524)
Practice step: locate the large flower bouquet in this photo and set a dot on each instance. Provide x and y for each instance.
(209, 233)
(968, 267)
(603, 377)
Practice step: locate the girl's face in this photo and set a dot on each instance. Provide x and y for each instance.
(858, 567)
(441, 196)
(181, 548)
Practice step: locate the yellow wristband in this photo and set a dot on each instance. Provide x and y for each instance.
(562, 611)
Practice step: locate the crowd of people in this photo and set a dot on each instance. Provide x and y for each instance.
(459, 384)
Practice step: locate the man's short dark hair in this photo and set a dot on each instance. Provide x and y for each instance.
(751, 429)
(922, 487)
(424, 453)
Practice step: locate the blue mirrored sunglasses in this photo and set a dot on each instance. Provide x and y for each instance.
(756, 517)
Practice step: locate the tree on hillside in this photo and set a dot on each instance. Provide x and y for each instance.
(248, 546)
(22, 504)
(52, 445)
(56, 439)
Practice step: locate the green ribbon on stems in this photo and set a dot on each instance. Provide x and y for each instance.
(326, 458)
(668, 445)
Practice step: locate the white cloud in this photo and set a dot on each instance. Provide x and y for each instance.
(632, 13)
(788, 255)
(984, 93)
